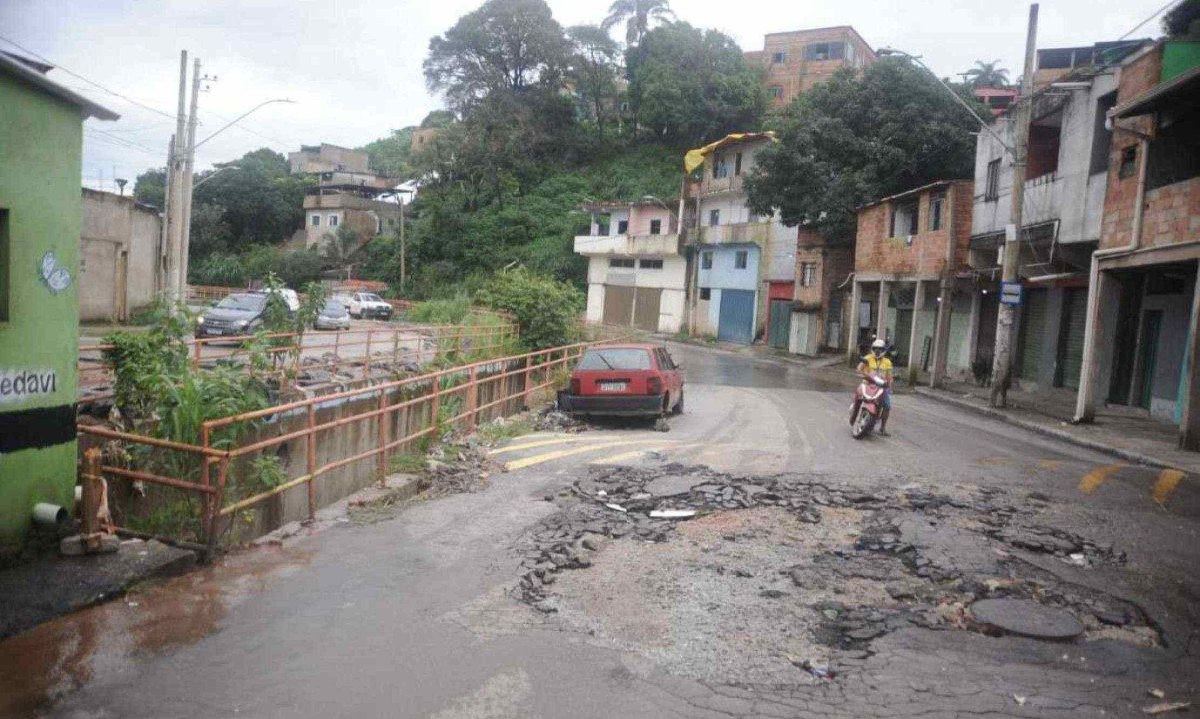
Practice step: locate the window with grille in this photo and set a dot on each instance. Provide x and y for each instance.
(706, 260)
(741, 259)
(808, 274)
(621, 262)
(992, 189)
(937, 202)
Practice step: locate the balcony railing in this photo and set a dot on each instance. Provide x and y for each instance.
(627, 244)
(741, 232)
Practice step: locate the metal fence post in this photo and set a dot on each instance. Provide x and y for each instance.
(472, 396)
(367, 364)
(311, 459)
(214, 523)
(528, 379)
(382, 427)
(435, 402)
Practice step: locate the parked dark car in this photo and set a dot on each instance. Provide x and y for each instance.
(625, 380)
(334, 316)
(238, 314)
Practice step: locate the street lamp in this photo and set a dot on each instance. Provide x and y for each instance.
(239, 118)
(893, 52)
(213, 174)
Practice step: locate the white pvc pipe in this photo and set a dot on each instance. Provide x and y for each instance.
(49, 516)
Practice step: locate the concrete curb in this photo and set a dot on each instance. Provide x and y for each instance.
(1061, 435)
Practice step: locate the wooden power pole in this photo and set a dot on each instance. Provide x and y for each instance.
(1010, 293)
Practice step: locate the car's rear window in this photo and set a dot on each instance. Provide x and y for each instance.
(622, 359)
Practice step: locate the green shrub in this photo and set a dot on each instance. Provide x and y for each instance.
(546, 310)
(440, 312)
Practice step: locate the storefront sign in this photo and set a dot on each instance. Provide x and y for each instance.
(17, 384)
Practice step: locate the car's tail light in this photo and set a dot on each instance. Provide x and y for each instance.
(654, 385)
(576, 386)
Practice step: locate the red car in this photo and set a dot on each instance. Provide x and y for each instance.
(625, 380)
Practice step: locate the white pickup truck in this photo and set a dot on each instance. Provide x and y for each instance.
(365, 305)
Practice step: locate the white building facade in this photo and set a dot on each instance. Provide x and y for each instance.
(637, 275)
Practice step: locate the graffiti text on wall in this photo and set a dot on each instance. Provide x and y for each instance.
(22, 384)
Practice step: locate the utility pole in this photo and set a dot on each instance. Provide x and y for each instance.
(175, 192)
(162, 283)
(189, 167)
(1005, 319)
(403, 248)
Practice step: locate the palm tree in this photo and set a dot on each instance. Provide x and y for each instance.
(986, 74)
(637, 16)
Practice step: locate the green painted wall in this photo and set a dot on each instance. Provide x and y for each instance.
(1179, 57)
(41, 141)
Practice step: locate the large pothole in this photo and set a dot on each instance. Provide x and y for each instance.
(775, 576)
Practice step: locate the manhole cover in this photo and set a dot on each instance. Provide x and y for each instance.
(1027, 618)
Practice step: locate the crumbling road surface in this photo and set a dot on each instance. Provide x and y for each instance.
(753, 561)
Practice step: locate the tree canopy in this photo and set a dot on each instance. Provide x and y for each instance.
(503, 45)
(857, 138)
(637, 16)
(986, 74)
(691, 85)
(391, 155)
(593, 69)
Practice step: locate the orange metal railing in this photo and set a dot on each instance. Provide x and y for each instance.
(401, 412)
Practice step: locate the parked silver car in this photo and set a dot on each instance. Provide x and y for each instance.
(334, 316)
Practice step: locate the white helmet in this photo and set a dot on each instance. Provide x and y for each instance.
(878, 345)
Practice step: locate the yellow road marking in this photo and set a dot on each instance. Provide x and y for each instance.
(635, 453)
(542, 443)
(1168, 480)
(1048, 463)
(1093, 479)
(548, 456)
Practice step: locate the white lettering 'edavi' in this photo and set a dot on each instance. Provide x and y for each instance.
(18, 384)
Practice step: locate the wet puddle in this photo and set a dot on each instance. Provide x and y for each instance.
(54, 659)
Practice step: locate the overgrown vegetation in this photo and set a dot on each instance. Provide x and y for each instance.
(546, 310)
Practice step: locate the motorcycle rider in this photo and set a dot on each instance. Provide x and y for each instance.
(878, 363)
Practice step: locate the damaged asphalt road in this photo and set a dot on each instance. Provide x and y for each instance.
(952, 570)
(720, 597)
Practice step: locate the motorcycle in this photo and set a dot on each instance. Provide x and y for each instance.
(868, 403)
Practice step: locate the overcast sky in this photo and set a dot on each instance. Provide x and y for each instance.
(353, 67)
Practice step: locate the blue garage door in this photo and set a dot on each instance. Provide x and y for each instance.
(736, 323)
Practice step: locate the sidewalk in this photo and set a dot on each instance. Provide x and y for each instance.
(1122, 432)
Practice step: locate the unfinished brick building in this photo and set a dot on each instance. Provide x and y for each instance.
(910, 251)
(1143, 317)
(796, 61)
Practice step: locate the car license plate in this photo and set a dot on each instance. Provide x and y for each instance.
(612, 386)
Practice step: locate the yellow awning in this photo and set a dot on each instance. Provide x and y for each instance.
(695, 158)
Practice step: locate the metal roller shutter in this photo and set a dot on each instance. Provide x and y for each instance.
(1071, 360)
(647, 301)
(1032, 336)
(618, 305)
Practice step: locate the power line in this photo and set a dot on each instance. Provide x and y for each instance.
(125, 140)
(114, 93)
(113, 141)
(1156, 14)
